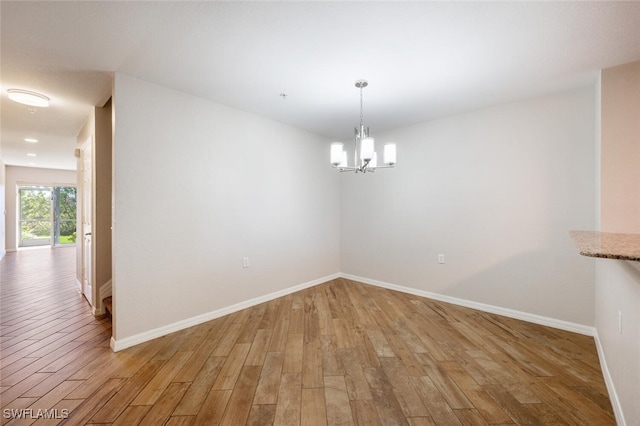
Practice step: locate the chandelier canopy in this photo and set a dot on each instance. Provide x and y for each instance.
(365, 158)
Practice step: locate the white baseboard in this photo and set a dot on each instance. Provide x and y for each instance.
(611, 389)
(78, 285)
(120, 344)
(511, 313)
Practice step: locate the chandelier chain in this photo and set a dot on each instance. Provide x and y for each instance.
(361, 115)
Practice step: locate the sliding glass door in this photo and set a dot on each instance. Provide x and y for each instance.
(35, 216)
(64, 215)
(47, 215)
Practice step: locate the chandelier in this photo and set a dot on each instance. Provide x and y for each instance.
(364, 150)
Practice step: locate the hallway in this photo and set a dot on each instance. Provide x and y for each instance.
(48, 331)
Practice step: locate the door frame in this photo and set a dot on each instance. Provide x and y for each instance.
(87, 264)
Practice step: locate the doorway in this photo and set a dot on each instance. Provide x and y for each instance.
(87, 220)
(47, 215)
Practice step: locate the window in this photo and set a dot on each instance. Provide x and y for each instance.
(47, 215)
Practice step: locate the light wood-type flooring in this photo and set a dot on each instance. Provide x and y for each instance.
(340, 353)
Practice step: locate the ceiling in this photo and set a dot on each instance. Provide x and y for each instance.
(422, 59)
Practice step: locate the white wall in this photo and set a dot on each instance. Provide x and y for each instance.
(618, 290)
(496, 191)
(28, 176)
(198, 186)
(618, 282)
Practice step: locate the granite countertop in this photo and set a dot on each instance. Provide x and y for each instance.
(607, 245)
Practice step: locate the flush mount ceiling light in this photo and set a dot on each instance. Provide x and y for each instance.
(31, 140)
(28, 98)
(363, 149)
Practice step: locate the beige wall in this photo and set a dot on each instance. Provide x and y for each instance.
(28, 176)
(620, 155)
(618, 282)
(496, 191)
(198, 186)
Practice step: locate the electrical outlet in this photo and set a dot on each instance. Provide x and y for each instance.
(441, 258)
(245, 262)
(620, 322)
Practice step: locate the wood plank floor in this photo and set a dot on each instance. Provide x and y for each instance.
(340, 353)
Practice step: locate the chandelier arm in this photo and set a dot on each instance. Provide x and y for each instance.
(355, 151)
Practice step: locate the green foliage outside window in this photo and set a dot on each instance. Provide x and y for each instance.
(35, 210)
(67, 202)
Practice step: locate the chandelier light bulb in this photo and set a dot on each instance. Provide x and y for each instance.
(390, 154)
(343, 162)
(336, 153)
(366, 149)
(374, 160)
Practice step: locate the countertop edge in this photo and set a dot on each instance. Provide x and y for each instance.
(607, 245)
